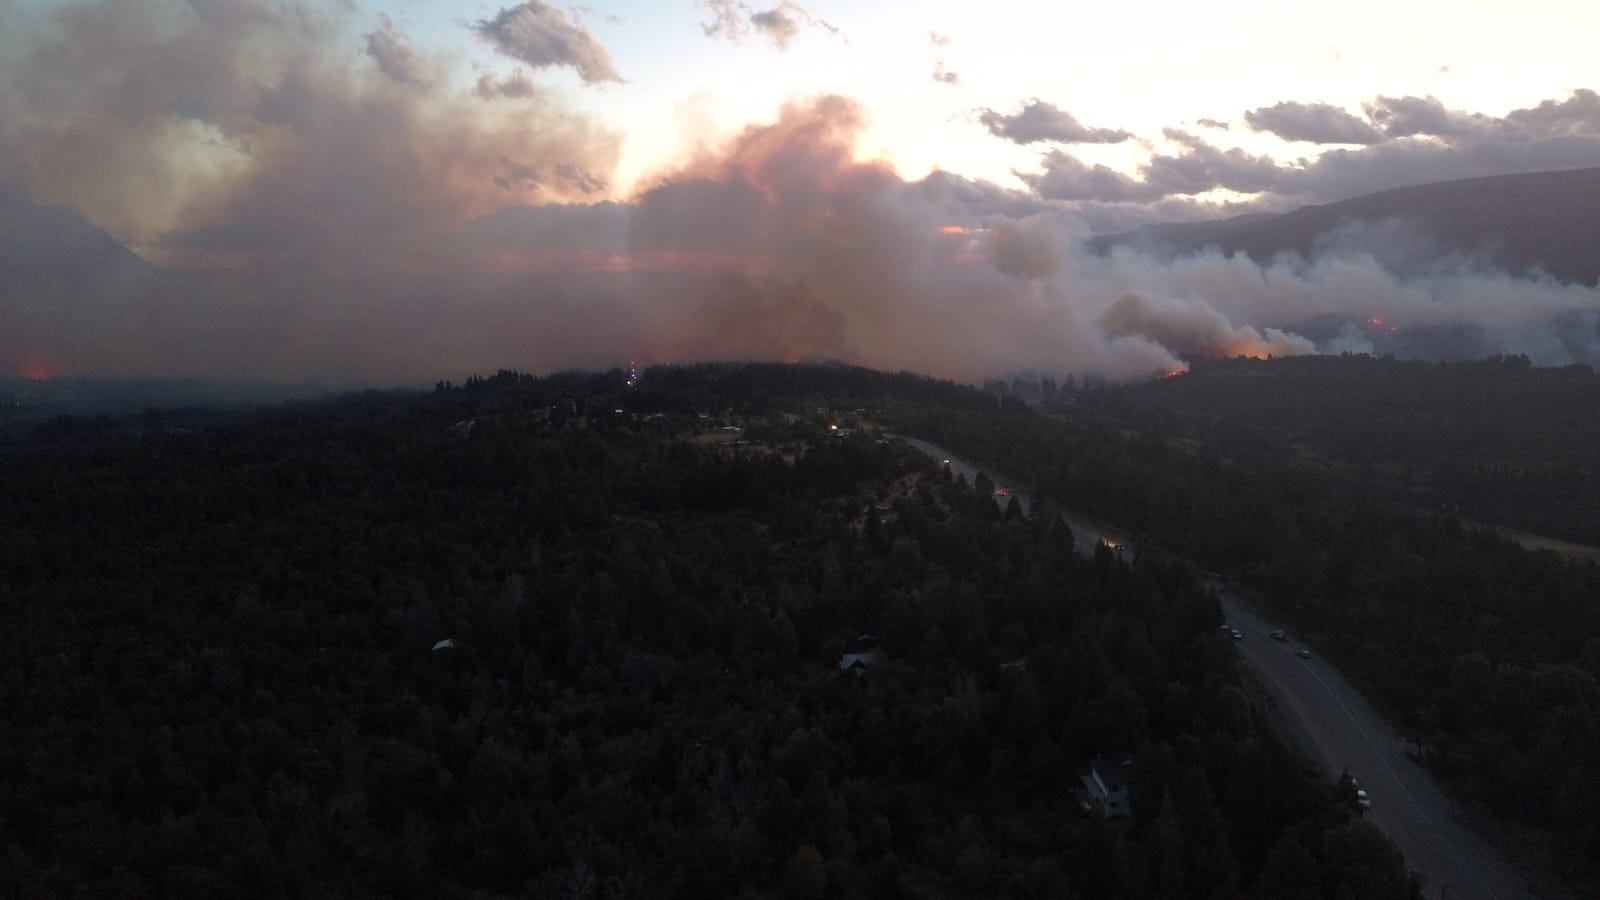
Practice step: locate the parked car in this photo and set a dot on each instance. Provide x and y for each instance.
(1303, 653)
(1279, 636)
(1362, 800)
(1237, 634)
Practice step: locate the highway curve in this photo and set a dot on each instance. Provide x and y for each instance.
(1345, 732)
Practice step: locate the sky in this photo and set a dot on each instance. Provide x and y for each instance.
(372, 191)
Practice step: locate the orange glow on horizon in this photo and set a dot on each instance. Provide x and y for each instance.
(37, 368)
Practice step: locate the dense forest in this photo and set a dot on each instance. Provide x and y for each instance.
(1486, 653)
(566, 637)
(1498, 439)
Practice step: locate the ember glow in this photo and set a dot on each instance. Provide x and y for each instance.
(36, 368)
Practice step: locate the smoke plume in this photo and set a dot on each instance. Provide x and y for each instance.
(322, 199)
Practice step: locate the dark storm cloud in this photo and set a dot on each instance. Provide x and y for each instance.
(780, 25)
(1316, 123)
(540, 35)
(1041, 121)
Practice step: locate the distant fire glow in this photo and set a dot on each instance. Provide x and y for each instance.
(37, 368)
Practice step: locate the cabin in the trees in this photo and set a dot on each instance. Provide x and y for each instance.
(1107, 785)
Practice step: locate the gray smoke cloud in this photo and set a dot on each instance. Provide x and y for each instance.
(780, 25)
(1197, 168)
(1317, 123)
(942, 75)
(541, 36)
(393, 54)
(311, 215)
(1038, 120)
(516, 86)
(1398, 141)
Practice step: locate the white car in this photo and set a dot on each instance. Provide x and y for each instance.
(1362, 800)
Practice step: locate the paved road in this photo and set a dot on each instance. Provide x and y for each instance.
(1346, 732)
(1085, 534)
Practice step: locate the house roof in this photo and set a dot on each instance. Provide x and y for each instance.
(850, 660)
(1113, 773)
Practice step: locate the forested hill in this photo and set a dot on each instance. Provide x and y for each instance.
(564, 637)
(1486, 655)
(1498, 439)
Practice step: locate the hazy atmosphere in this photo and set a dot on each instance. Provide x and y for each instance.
(392, 192)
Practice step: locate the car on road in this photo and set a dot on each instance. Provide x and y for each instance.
(1279, 636)
(1303, 653)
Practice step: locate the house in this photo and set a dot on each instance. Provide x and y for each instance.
(1107, 785)
(856, 663)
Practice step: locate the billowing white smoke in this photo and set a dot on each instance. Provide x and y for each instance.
(378, 222)
(1195, 328)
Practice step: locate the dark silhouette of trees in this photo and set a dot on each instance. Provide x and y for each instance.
(360, 649)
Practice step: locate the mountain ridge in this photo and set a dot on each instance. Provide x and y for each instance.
(1523, 223)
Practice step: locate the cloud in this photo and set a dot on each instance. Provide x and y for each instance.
(1411, 116)
(394, 56)
(1403, 141)
(941, 75)
(1065, 177)
(1317, 123)
(1199, 167)
(1041, 121)
(516, 86)
(780, 25)
(1576, 115)
(313, 215)
(540, 35)
(302, 207)
(1202, 167)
